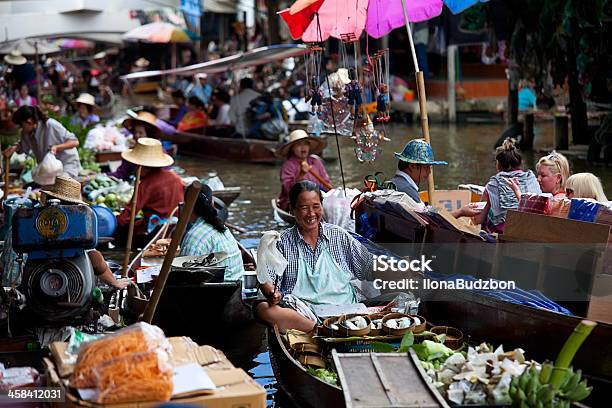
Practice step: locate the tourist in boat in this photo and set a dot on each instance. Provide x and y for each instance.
(178, 97)
(85, 115)
(68, 191)
(553, 172)
(300, 164)
(195, 118)
(40, 135)
(160, 190)
(24, 98)
(220, 100)
(239, 106)
(499, 195)
(322, 260)
(208, 234)
(585, 185)
(143, 125)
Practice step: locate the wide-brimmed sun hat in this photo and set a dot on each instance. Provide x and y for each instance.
(100, 55)
(142, 63)
(418, 151)
(65, 189)
(146, 119)
(87, 99)
(297, 136)
(15, 58)
(148, 153)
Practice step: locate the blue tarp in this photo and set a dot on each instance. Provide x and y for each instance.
(531, 298)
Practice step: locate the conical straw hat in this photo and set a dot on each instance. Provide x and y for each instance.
(15, 58)
(65, 189)
(148, 153)
(299, 135)
(146, 119)
(87, 99)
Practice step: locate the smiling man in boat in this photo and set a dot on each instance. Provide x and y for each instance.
(322, 259)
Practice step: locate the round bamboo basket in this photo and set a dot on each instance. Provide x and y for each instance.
(346, 332)
(396, 332)
(376, 316)
(454, 337)
(419, 328)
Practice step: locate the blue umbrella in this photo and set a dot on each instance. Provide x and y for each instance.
(458, 6)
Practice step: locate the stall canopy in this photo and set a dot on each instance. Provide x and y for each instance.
(243, 60)
(29, 46)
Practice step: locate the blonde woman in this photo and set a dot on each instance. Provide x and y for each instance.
(585, 185)
(553, 172)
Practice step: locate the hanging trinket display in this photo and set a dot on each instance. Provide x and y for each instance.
(338, 102)
(368, 139)
(380, 65)
(314, 94)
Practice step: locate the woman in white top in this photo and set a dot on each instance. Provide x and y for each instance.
(220, 99)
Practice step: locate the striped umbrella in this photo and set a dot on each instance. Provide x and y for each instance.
(158, 32)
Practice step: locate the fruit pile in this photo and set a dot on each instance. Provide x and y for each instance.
(108, 192)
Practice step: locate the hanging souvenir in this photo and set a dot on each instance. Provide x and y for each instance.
(368, 139)
(353, 94)
(380, 68)
(341, 120)
(314, 94)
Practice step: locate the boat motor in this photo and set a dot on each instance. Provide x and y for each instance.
(58, 280)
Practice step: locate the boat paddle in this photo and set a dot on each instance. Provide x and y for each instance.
(190, 198)
(128, 246)
(7, 175)
(321, 180)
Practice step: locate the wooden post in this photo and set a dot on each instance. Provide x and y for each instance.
(7, 176)
(529, 133)
(128, 246)
(561, 132)
(37, 68)
(420, 81)
(451, 53)
(425, 128)
(192, 194)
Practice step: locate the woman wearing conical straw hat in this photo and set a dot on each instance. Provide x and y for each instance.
(87, 110)
(160, 190)
(143, 125)
(301, 164)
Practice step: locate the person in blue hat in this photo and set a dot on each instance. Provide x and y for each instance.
(413, 167)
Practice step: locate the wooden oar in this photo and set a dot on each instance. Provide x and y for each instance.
(192, 194)
(7, 175)
(128, 246)
(235, 228)
(321, 180)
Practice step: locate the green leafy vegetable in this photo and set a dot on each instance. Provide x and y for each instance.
(326, 375)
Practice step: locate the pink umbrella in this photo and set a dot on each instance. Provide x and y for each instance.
(317, 20)
(75, 44)
(158, 32)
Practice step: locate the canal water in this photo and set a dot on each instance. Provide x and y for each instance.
(467, 148)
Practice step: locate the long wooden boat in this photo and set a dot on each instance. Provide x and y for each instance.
(227, 148)
(206, 311)
(282, 214)
(541, 333)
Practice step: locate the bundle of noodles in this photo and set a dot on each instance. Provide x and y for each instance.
(135, 377)
(138, 338)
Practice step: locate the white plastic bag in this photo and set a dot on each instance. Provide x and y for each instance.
(270, 262)
(337, 207)
(47, 170)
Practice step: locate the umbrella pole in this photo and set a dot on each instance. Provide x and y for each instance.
(37, 67)
(420, 83)
(7, 176)
(128, 246)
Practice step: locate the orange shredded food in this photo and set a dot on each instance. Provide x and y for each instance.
(130, 340)
(135, 377)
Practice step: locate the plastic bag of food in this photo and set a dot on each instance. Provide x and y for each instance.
(270, 261)
(17, 377)
(138, 338)
(337, 207)
(135, 377)
(47, 170)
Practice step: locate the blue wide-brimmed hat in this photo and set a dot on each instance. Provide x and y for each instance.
(418, 151)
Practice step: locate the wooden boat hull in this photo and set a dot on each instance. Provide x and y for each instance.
(226, 148)
(228, 195)
(282, 214)
(303, 389)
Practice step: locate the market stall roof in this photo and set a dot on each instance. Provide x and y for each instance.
(246, 59)
(29, 46)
